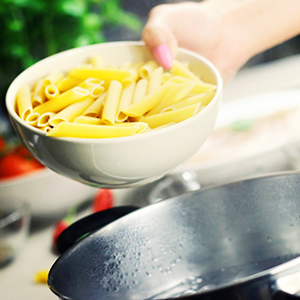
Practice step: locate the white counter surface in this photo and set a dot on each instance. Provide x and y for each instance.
(16, 280)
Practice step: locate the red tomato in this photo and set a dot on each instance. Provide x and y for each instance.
(103, 200)
(12, 165)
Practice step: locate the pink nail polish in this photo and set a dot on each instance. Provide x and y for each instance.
(164, 56)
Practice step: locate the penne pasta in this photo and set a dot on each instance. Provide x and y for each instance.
(148, 68)
(88, 120)
(67, 83)
(32, 118)
(38, 94)
(175, 116)
(63, 100)
(124, 76)
(93, 101)
(97, 62)
(178, 69)
(77, 130)
(200, 87)
(43, 119)
(71, 112)
(140, 90)
(53, 78)
(155, 80)
(95, 109)
(138, 109)
(125, 101)
(24, 104)
(112, 102)
(175, 95)
(51, 91)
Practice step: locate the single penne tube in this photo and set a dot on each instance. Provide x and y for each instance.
(179, 69)
(123, 76)
(38, 93)
(53, 78)
(97, 61)
(163, 126)
(203, 98)
(95, 109)
(88, 120)
(200, 87)
(175, 116)
(23, 101)
(46, 129)
(69, 113)
(138, 109)
(135, 70)
(166, 76)
(67, 83)
(148, 68)
(97, 90)
(63, 100)
(32, 119)
(141, 125)
(43, 119)
(125, 101)
(111, 104)
(140, 90)
(174, 96)
(51, 91)
(78, 130)
(155, 80)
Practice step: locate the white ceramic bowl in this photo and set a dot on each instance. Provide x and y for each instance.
(47, 193)
(116, 162)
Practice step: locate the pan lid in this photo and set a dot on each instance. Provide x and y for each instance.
(191, 244)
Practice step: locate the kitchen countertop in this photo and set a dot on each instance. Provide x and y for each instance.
(17, 279)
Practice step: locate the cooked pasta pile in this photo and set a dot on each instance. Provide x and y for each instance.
(98, 101)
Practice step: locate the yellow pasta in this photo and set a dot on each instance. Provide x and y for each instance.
(53, 78)
(95, 109)
(112, 100)
(94, 101)
(140, 90)
(24, 104)
(200, 87)
(67, 83)
(148, 68)
(175, 95)
(88, 120)
(124, 76)
(97, 61)
(125, 101)
(71, 112)
(78, 130)
(32, 118)
(63, 100)
(175, 116)
(179, 69)
(38, 95)
(138, 109)
(51, 91)
(43, 119)
(155, 80)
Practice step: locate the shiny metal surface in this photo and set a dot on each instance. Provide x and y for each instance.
(224, 242)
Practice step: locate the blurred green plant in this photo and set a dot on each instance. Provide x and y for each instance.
(33, 29)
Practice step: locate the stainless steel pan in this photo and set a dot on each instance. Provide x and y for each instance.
(239, 241)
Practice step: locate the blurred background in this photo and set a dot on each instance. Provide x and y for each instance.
(33, 29)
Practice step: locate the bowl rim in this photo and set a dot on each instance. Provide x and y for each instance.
(13, 114)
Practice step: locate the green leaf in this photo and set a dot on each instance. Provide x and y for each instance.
(15, 24)
(75, 8)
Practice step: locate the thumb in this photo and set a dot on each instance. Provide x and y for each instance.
(161, 42)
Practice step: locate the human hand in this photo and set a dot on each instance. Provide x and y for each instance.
(227, 32)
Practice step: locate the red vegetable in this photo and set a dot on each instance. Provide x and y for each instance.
(12, 165)
(104, 199)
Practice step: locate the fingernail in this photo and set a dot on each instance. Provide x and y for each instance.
(164, 56)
